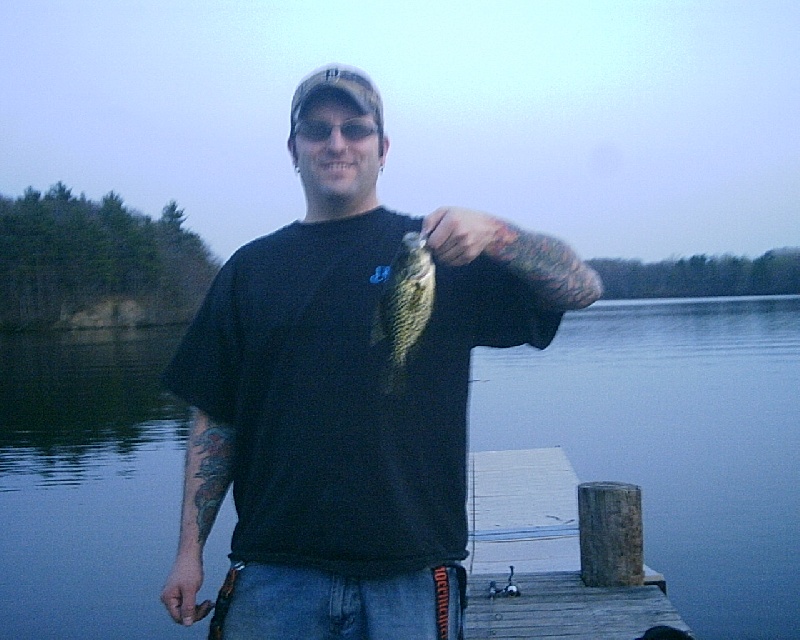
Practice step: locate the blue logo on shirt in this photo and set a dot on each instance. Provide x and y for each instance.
(381, 275)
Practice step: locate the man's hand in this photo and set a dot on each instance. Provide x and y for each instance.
(180, 592)
(457, 236)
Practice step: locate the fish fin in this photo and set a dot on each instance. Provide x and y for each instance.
(378, 332)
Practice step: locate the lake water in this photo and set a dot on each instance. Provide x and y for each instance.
(697, 401)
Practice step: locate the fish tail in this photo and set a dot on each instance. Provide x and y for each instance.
(395, 379)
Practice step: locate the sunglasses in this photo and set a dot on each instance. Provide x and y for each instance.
(319, 130)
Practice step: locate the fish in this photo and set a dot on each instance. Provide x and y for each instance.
(405, 306)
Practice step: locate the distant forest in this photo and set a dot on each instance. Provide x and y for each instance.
(68, 262)
(777, 272)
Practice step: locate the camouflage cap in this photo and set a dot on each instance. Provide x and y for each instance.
(349, 80)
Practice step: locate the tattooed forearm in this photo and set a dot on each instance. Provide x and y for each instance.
(214, 449)
(560, 278)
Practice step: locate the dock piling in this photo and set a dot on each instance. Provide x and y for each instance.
(611, 537)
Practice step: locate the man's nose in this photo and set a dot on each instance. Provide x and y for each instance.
(336, 141)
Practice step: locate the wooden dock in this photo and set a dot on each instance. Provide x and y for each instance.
(524, 513)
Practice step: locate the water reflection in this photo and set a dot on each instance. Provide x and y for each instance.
(69, 401)
(694, 400)
(645, 333)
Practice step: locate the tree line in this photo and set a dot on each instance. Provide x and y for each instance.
(61, 254)
(777, 272)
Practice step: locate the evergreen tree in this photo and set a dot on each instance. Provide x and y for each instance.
(60, 255)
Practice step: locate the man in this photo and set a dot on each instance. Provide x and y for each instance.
(350, 500)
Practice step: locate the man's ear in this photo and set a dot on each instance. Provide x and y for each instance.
(292, 150)
(384, 146)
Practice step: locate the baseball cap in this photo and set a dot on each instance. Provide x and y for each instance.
(349, 80)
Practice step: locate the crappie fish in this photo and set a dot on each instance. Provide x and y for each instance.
(405, 306)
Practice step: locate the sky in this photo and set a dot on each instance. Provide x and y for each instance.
(639, 130)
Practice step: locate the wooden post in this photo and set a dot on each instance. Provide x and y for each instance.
(612, 550)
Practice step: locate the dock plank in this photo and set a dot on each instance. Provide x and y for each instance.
(558, 605)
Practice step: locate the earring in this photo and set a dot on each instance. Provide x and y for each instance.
(296, 169)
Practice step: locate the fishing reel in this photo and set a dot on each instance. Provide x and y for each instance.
(511, 590)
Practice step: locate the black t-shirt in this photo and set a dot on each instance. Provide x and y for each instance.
(331, 471)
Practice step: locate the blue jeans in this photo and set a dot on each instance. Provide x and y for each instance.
(287, 602)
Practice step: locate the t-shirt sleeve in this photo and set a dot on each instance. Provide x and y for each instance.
(507, 313)
(205, 368)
